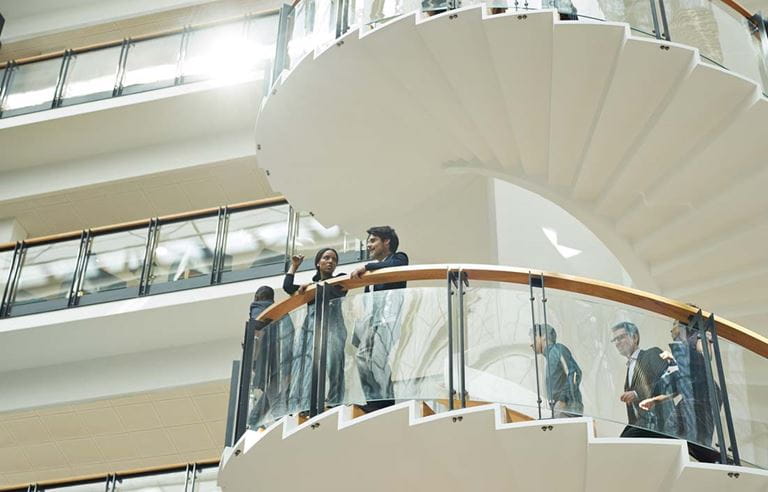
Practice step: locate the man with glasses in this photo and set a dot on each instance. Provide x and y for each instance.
(642, 381)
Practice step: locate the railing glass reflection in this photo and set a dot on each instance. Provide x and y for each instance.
(544, 352)
(161, 255)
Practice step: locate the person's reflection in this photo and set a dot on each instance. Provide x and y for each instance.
(563, 374)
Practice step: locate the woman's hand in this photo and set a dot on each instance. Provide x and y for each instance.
(295, 263)
(647, 404)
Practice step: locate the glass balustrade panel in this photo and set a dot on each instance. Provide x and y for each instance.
(256, 241)
(377, 11)
(31, 87)
(152, 64)
(636, 367)
(171, 482)
(636, 13)
(91, 76)
(387, 345)
(46, 277)
(745, 376)
(220, 52)
(301, 28)
(114, 265)
(281, 373)
(500, 364)
(261, 39)
(184, 254)
(6, 259)
(326, 17)
(313, 237)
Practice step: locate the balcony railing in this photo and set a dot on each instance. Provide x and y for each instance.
(725, 33)
(188, 476)
(545, 345)
(164, 254)
(227, 51)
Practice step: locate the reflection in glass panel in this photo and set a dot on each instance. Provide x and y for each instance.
(184, 250)
(380, 10)
(47, 272)
(32, 87)
(282, 368)
(312, 236)
(300, 41)
(256, 238)
(167, 482)
(636, 13)
(91, 76)
(152, 64)
(230, 52)
(115, 261)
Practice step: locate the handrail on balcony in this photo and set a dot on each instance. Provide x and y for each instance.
(580, 285)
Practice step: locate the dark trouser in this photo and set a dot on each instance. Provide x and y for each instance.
(700, 453)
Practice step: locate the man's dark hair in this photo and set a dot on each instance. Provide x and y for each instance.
(384, 233)
(264, 293)
(547, 332)
(630, 328)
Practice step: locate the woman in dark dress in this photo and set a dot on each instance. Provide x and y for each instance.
(301, 365)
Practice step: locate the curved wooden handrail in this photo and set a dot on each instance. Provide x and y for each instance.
(594, 288)
(66, 236)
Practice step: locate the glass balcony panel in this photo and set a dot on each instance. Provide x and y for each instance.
(312, 237)
(184, 254)
(500, 362)
(170, 482)
(326, 13)
(256, 241)
(282, 368)
(636, 13)
(91, 76)
(114, 266)
(375, 11)
(302, 24)
(222, 53)
(388, 345)
(261, 41)
(152, 64)
(32, 87)
(46, 277)
(207, 478)
(666, 374)
(748, 395)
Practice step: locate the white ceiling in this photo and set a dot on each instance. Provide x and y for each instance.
(148, 429)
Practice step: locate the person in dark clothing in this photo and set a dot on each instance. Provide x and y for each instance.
(376, 336)
(301, 364)
(643, 380)
(563, 374)
(264, 297)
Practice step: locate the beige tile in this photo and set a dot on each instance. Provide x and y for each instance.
(53, 474)
(28, 430)
(90, 405)
(65, 426)
(212, 407)
(152, 443)
(138, 417)
(189, 438)
(117, 447)
(55, 410)
(21, 414)
(177, 411)
(92, 469)
(6, 438)
(169, 459)
(12, 461)
(202, 455)
(208, 388)
(130, 399)
(21, 478)
(81, 452)
(45, 456)
(216, 431)
(102, 421)
(169, 393)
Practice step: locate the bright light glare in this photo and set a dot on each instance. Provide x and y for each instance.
(565, 251)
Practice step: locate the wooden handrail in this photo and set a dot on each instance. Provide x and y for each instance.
(66, 236)
(93, 478)
(594, 288)
(143, 37)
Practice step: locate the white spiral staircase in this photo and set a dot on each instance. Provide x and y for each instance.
(480, 448)
(661, 155)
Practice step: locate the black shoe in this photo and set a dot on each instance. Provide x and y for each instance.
(372, 406)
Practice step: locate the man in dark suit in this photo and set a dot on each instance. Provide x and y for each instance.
(643, 380)
(377, 335)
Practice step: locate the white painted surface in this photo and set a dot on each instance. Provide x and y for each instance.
(398, 447)
(11, 230)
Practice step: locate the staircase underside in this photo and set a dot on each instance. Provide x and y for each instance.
(470, 449)
(661, 155)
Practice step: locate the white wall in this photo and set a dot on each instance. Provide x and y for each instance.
(522, 216)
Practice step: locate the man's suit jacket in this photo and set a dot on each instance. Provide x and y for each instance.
(646, 382)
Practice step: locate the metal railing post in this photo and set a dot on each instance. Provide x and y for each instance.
(149, 256)
(5, 302)
(281, 45)
(86, 240)
(655, 19)
(120, 72)
(462, 282)
(246, 373)
(451, 391)
(533, 341)
(217, 262)
(547, 380)
(6, 83)
(182, 55)
(234, 393)
(710, 322)
(62, 78)
(714, 397)
(317, 388)
(664, 24)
